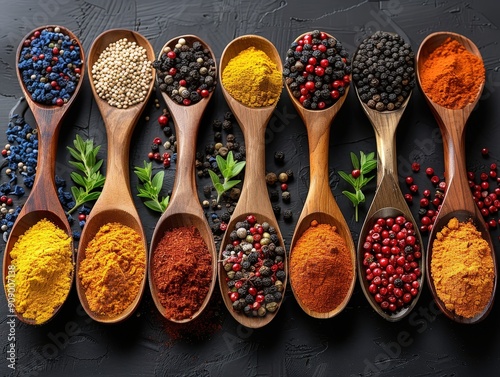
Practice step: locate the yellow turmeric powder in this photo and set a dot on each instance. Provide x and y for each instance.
(252, 78)
(462, 268)
(321, 268)
(113, 269)
(43, 263)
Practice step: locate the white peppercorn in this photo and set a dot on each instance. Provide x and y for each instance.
(122, 74)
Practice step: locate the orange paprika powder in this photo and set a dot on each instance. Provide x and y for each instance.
(321, 268)
(451, 75)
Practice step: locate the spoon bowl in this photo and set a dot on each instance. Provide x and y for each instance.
(458, 201)
(184, 209)
(254, 198)
(43, 202)
(388, 200)
(115, 204)
(320, 205)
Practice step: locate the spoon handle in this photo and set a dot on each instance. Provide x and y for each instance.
(254, 183)
(48, 126)
(186, 121)
(117, 185)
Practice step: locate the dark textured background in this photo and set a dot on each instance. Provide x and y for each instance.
(355, 343)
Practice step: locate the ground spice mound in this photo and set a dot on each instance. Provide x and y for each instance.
(462, 268)
(42, 258)
(182, 272)
(451, 75)
(321, 269)
(252, 78)
(113, 269)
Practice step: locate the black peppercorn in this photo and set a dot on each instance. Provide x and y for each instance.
(227, 125)
(216, 125)
(276, 210)
(279, 157)
(285, 196)
(287, 215)
(167, 131)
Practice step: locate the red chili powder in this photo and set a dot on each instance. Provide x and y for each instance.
(182, 272)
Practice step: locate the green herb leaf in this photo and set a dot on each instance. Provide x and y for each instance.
(366, 163)
(355, 161)
(229, 168)
(90, 180)
(151, 187)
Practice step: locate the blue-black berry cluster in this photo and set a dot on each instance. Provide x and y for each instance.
(20, 160)
(317, 70)
(383, 71)
(186, 73)
(254, 264)
(50, 64)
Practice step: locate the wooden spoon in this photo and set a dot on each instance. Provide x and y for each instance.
(320, 204)
(254, 198)
(43, 202)
(184, 209)
(115, 203)
(458, 201)
(388, 200)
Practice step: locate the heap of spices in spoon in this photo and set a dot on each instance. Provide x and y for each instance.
(321, 269)
(187, 72)
(391, 256)
(252, 78)
(254, 264)
(182, 272)
(50, 65)
(383, 71)
(451, 76)
(122, 74)
(113, 269)
(462, 268)
(42, 266)
(317, 70)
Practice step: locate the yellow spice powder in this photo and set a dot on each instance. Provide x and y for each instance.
(113, 269)
(462, 268)
(43, 263)
(252, 78)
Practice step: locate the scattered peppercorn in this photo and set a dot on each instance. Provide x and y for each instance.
(279, 157)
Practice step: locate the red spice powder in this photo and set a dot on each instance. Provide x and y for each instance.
(182, 272)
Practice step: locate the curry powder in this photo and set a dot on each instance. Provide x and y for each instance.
(462, 268)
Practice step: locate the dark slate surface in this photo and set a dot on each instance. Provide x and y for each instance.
(355, 343)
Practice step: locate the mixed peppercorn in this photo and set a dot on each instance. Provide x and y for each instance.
(391, 255)
(383, 71)
(186, 72)
(317, 70)
(50, 65)
(255, 271)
